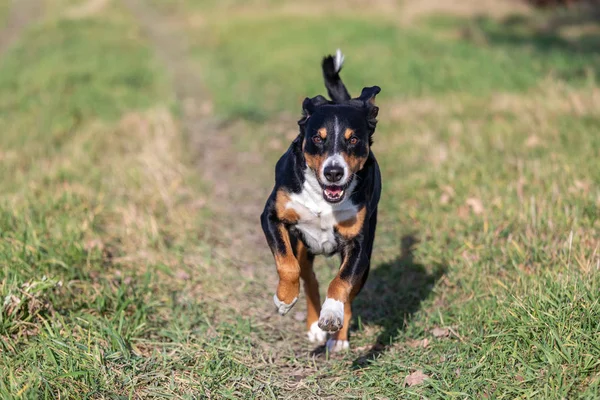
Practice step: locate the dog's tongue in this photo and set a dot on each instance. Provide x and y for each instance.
(334, 191)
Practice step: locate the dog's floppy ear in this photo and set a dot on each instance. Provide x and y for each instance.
(367, 96)
(366, 101)
(309, 106)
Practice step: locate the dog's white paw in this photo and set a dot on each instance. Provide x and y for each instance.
(281, 307)
(316, 334)
(335, 346)
(332, 315)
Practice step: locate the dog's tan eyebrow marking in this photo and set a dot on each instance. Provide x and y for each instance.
(349, 132)
(323, 133)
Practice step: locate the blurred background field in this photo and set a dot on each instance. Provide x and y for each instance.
(138, 146)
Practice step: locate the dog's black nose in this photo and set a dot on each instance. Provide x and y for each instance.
(333, 173)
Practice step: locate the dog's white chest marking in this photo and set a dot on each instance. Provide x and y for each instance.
(318, 217)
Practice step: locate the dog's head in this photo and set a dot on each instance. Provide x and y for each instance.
(337, 139)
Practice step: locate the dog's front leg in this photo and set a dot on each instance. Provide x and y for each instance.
(288, 268)
(337, 308)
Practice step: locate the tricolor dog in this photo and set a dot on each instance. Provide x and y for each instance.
(327, 186)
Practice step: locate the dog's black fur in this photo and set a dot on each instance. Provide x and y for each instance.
(332, 153)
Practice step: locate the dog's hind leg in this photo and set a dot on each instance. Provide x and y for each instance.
(311, 289)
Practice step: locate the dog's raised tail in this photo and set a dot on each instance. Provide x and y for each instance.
(332, 65)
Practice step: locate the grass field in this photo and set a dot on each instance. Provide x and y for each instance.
(138, 146)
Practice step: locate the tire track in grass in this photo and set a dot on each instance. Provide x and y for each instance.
(22, 14)
(237, 194)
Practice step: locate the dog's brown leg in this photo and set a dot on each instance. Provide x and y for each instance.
(288, 270)
(275, 221)
(337, 312)
(337, 309)
(311, 289)
(339, 340)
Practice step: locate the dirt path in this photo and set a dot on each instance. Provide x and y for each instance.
(22, 14)
(240, 184)
(235, 198)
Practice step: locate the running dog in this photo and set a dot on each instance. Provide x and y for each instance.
(327, 187)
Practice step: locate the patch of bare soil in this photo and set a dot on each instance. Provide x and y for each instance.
(22, 14)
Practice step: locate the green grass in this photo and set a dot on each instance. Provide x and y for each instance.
(405, 62)
(466, 118)
(110, 281)
(94, 214)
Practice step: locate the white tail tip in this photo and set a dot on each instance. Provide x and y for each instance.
(339, 60)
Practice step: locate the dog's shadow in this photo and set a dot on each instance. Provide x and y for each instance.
(392, 294)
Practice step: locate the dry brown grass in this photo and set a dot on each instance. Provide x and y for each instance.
(402, 12)
(415, 9)
(549, 99)
(136, 179)
(155, 205)
(86, 9)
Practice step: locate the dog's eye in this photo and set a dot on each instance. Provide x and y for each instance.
(353, 140)
(317, 139)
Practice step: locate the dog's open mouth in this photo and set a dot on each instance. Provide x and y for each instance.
(333, 194)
